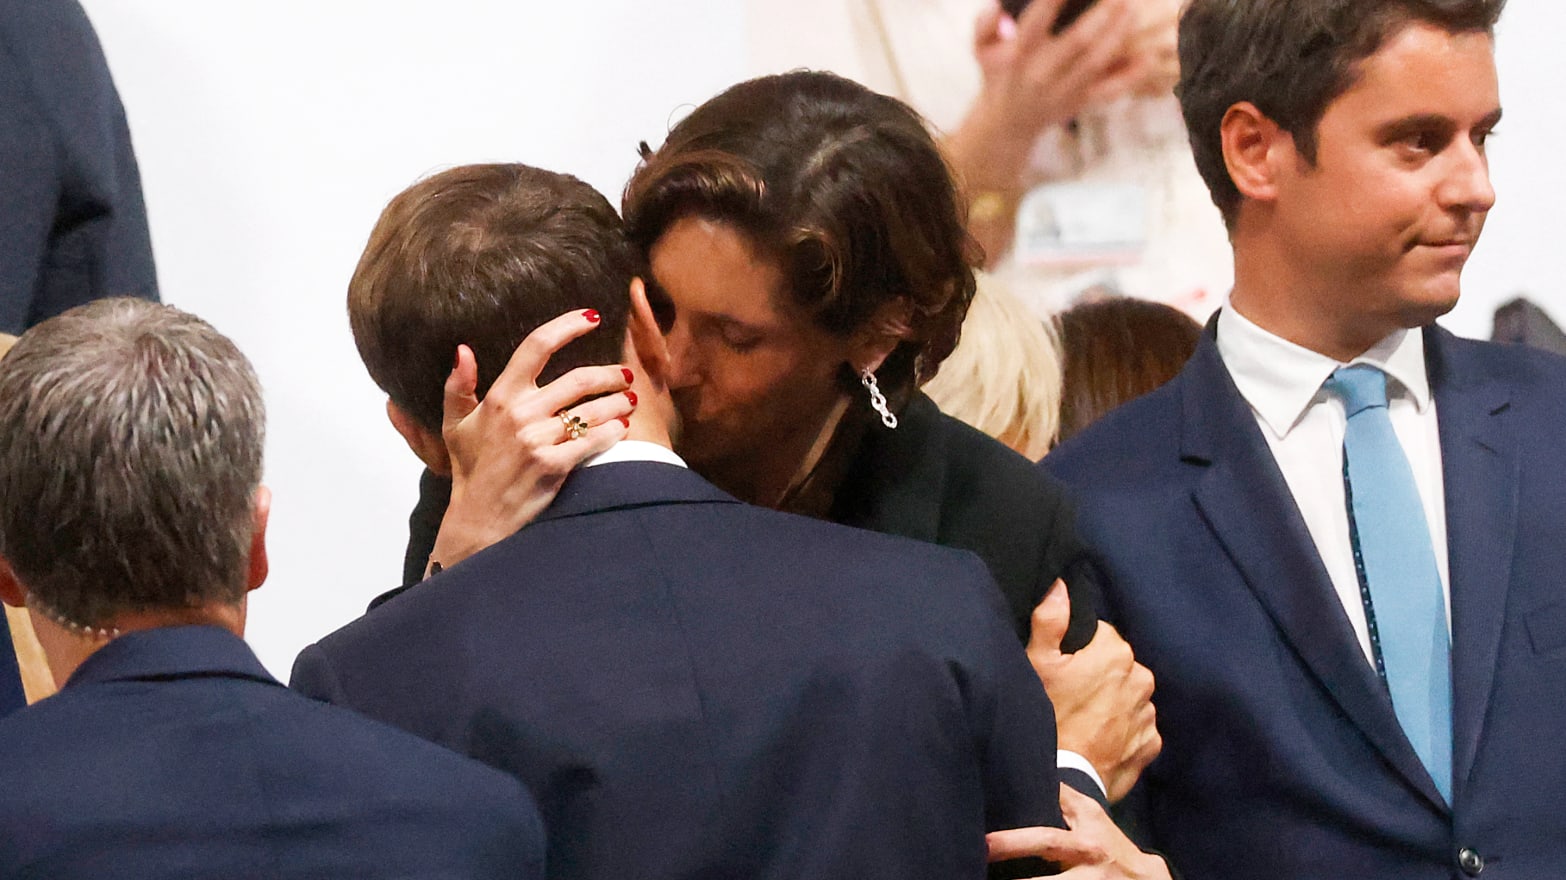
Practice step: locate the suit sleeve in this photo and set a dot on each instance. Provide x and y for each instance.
(1066, 557)
(86, 232)
(1016, 726)
(1012, 718)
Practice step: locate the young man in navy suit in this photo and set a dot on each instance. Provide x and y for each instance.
(1338, 537)
(689, 685)
(132, 523)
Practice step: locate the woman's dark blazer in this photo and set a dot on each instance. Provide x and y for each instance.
(936, 479)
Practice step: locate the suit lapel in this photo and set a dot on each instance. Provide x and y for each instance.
(1479, 469)
(1246, 502)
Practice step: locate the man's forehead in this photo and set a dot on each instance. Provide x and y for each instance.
(1422, 70)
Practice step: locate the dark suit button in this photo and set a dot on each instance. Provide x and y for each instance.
(1470, 861)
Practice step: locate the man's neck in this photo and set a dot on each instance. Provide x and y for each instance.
(1290, 304)
(649, 429)
(67, 649)
(1298, 326)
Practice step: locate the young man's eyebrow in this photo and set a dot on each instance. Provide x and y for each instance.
(1411, 125)
(1420, 122)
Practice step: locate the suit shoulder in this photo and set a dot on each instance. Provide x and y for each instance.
(887, 575)
(837, 540)
(412, 609)
(1127, 441)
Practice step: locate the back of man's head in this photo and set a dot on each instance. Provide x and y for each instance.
(481, 255)
(129, 463)
(1291, 59)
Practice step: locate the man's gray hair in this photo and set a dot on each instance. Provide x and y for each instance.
(130, 455)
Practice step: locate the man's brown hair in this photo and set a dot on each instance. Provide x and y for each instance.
(481, 255)
(1291, 58)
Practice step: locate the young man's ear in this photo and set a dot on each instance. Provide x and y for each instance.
(646, 338)
(12, 592)
(255, 574)
(886, 329)
(1254, 148)
(428, 446)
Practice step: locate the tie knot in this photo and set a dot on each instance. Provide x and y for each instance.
(1360, 387)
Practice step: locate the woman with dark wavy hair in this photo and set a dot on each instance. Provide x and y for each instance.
(810, 268)
(807, 244)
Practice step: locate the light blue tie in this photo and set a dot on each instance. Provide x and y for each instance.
(1405, 603)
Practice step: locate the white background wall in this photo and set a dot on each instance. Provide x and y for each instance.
(1523, 250)
(270, 134)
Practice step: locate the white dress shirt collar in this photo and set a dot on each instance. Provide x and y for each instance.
(635, 450)
(1280, 380)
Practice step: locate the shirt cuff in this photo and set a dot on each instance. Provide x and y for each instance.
(1073, 761)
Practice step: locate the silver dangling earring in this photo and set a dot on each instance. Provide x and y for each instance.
(877, 399)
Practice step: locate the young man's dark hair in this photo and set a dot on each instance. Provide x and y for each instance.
(455, 259)
(1290, 58)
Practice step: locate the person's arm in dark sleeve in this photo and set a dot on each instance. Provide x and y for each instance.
(97, 241)
(1066, 558)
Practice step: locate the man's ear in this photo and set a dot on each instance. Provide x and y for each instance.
(886, 329)
(12, 592)
(644, 336)
(1253, 148)
(428, 446)
(256, 574)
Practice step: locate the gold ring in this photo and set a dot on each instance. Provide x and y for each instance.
(575, 426)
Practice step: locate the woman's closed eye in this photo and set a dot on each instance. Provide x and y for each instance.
(738, 336)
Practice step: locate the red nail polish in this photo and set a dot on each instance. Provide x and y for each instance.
(631, 396)
(456, 359)
(592, 316)
(629, 376)
(625, 421)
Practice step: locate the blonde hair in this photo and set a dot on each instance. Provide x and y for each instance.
(1004, 377)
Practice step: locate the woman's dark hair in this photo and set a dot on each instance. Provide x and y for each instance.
(1291, 58)
(1115, 350)
(844, 188)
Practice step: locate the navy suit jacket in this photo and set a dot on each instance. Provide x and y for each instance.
(693, 687)
(1282, 756)
(932, 478)
(172, 754)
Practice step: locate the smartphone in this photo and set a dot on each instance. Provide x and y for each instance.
(1069, 12)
